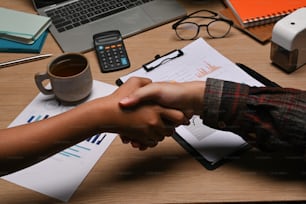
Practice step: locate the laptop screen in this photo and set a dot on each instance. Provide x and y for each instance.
(42, 3)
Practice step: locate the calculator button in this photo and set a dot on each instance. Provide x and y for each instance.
(124, 61)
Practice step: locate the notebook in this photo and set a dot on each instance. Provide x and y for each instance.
(261, 33)
(74, 22)
(22, 27)
(15, 47)
(259, 12)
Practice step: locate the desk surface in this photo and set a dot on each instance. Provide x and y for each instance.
(165, 174)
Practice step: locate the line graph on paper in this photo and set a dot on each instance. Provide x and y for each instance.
(206, 69)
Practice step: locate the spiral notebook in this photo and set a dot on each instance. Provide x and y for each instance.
(258, 12)
(261, 33)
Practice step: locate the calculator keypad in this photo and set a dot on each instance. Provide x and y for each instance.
(112, 56)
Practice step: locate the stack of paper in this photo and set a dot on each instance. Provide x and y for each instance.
(20, 29)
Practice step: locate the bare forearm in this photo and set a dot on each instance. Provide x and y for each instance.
(27, 144)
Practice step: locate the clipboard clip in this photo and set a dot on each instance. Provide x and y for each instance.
(160, 60)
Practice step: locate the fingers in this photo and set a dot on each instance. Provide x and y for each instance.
(139, 145)
(145, 143)
(142, 146)
(175, 117)
(145, 93)
(148, 136)
(160, 122)
(124, 139)
(137, 82)
(131, 85)
(157, 129)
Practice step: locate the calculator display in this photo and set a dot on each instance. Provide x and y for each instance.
(107, 39)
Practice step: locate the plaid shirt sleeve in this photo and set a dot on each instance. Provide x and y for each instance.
(268, 118)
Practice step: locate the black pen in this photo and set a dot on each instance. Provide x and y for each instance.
(257, 76)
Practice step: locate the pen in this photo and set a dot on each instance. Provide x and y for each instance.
(257, 76)
(24, 60)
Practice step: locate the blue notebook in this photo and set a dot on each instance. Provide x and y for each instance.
(12, 46)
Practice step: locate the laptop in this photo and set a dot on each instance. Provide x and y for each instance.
(74, 22)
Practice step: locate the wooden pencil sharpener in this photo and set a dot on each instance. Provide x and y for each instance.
(288, 43)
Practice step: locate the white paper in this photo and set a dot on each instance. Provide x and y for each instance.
(60, 175)
(199, 62)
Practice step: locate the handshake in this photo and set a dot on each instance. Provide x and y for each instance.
(140, 111)
(143, 113)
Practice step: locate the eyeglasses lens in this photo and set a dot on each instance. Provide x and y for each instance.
(218, 29)
(187, 31)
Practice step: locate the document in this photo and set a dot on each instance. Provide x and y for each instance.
(60, 175)
(199, 62)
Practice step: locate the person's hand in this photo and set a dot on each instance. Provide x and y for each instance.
(144, 125)
(187, 96)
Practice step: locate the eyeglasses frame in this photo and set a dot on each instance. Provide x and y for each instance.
(213, 18)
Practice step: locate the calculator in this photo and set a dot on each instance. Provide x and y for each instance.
(110, 50)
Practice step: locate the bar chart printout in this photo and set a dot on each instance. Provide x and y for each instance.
(60, 175)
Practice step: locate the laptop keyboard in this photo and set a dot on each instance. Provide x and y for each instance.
(82, 12)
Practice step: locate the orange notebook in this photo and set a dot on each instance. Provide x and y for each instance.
(261, 33)
(259, 12)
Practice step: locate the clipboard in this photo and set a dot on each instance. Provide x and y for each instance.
(198, 61)
(157, 62)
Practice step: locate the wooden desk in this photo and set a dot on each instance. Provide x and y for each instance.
(165, 174)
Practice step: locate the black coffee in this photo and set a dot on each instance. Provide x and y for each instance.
(68, 67)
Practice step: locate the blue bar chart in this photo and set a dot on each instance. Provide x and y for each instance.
(80, 149)
(34, 118)
(75, 151)
(97, 139)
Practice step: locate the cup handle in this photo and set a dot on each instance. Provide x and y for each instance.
(39, 78)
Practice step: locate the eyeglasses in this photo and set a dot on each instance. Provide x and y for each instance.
(188, 27)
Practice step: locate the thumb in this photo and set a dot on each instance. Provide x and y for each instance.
(146, 93)
(128, 101)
